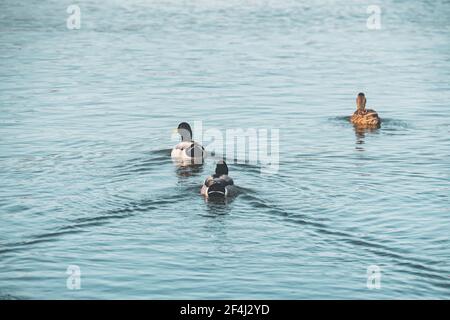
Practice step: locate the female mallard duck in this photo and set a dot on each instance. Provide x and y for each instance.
(188, 151)
(218, 185)
(363, 117)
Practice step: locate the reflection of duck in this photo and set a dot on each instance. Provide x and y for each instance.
(188, 171)
(187, 151)
(363, 117)
(360, 133)
(218, 185)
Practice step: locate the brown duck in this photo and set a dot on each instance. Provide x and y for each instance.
(363, 117)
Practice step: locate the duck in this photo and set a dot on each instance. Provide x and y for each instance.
(219, 184)
(363, 117)
(187, 151)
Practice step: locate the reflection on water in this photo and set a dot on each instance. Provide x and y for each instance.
(187, 170)
(218, 206)
(361, 132)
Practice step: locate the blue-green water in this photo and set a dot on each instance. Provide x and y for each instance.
(85, 136)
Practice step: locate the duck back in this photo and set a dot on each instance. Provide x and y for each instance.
(365, 118)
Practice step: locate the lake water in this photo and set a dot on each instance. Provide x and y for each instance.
(86, 119)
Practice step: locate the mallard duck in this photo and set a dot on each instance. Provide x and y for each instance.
(218, 184)
(187, 151)
(363, 117)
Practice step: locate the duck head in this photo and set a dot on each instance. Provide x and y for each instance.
(360, 101)
(185, 131)
(221, 168)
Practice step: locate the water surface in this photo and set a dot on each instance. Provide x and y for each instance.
(85, 138)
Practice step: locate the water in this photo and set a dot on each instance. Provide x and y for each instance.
(87, 179)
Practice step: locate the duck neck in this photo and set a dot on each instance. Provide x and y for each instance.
(187, 138)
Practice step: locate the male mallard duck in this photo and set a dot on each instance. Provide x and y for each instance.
(218, 184)
(364, 117)
(188, 151)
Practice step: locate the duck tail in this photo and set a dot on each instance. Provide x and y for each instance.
(217, 190)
